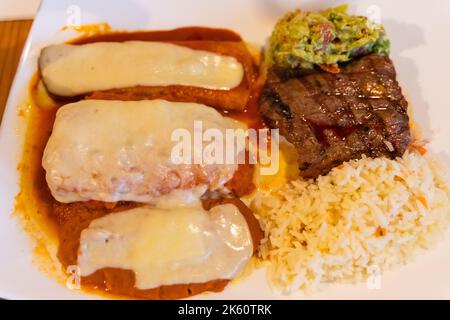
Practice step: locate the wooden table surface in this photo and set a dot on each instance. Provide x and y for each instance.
(12, 38)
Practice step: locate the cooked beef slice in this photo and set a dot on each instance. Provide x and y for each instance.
(332, 118)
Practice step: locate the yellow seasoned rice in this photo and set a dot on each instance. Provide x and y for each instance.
(365, 213)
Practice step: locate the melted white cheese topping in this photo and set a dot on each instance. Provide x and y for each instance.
(164, 246)
(70, 70)
(122, 150)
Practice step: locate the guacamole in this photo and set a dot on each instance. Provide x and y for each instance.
(304, 39)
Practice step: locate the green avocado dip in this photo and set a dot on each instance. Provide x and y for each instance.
(304, 39)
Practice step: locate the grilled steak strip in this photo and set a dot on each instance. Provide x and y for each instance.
(332, 118)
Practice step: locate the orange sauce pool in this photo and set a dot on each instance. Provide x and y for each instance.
(64, 222)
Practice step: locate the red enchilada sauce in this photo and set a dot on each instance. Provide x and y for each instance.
(68, 220)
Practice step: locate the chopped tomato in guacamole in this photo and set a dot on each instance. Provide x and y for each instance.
(304, 39)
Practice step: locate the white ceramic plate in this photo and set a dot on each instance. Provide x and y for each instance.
(419, 34)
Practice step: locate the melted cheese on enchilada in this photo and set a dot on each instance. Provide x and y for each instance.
(122, 150)
(163, 246)
(71, 70)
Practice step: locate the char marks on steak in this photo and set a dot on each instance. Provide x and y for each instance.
(332, 118)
